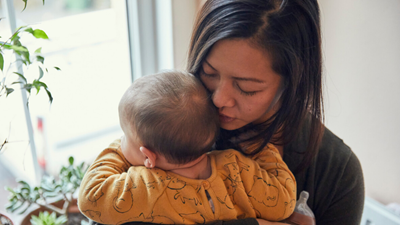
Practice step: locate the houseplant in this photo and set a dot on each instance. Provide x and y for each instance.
(15, 59)
(53, 194)
(45, 218)
(12, 72)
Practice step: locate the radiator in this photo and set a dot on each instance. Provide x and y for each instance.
(377, 214)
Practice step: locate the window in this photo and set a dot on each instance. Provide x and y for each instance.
(89, 42)
(100, 46)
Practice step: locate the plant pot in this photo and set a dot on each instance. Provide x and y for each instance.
(74, 215)
(5, 219)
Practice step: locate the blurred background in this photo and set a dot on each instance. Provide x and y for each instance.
(102, 45)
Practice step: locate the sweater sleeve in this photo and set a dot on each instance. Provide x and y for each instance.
(347, 205)
(110, 184)
(277, 178)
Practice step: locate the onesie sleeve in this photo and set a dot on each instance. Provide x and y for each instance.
(108, 188)
(276, 182)
(247, 221)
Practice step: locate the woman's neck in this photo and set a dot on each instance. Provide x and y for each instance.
(200, 170)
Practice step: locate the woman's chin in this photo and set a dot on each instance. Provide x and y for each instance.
(234, 125)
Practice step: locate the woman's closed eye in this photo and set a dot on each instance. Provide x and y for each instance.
(246, 93)
(209, 75)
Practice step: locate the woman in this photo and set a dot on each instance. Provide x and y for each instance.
(261, 60)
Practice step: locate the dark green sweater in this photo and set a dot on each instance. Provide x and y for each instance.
(334, 181)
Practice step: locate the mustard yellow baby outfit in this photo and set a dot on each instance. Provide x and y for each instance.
(114, 192)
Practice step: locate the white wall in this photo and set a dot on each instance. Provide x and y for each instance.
(183, 14)
(361, 44)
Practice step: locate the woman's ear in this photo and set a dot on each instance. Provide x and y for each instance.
(150, 160)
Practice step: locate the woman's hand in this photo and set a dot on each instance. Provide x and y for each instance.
(266, 222)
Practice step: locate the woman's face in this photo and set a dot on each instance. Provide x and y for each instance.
(245, 88)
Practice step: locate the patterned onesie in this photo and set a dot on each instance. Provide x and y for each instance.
(114, 192)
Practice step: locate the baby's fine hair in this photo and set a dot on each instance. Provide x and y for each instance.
(171, 114)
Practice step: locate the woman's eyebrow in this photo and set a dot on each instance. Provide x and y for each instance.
(209, 65)
(238, 78)
(249, 79)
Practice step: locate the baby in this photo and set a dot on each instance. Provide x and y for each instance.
(162, 170)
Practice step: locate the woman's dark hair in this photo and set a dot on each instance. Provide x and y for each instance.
(289, 31)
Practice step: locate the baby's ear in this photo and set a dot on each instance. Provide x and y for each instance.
(150, 160)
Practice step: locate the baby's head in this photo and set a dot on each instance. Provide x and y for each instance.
(170, 114)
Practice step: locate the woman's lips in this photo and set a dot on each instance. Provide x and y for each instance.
(225, 119)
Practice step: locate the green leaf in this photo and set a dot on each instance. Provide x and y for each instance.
(22, 77)
(34, 197)
(61, 220)
(27, 207)
(37, 84)
(9, 91)
(24, 193)
(1, 61)
(40, 58)
(71, 160)
(51, 195)
(12, 199)
(39, 50)
(37, 33)
(25, 190)
(28, 87)
(49, 95)
(9, 189)
(21, 27)
(9, 206)
(17, 206)
(26, 2)
(25, 184)
(29, 30)
(57, 68)
(15, 36)
(16, 48)
(17, 42)
(27, 58)
(40, 72)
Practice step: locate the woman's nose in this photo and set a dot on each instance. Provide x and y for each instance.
(223, 96)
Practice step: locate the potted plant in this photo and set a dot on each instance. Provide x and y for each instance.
(5, 220)
(12, 73)
(15, 58)
(53, 194)
(45, 218)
